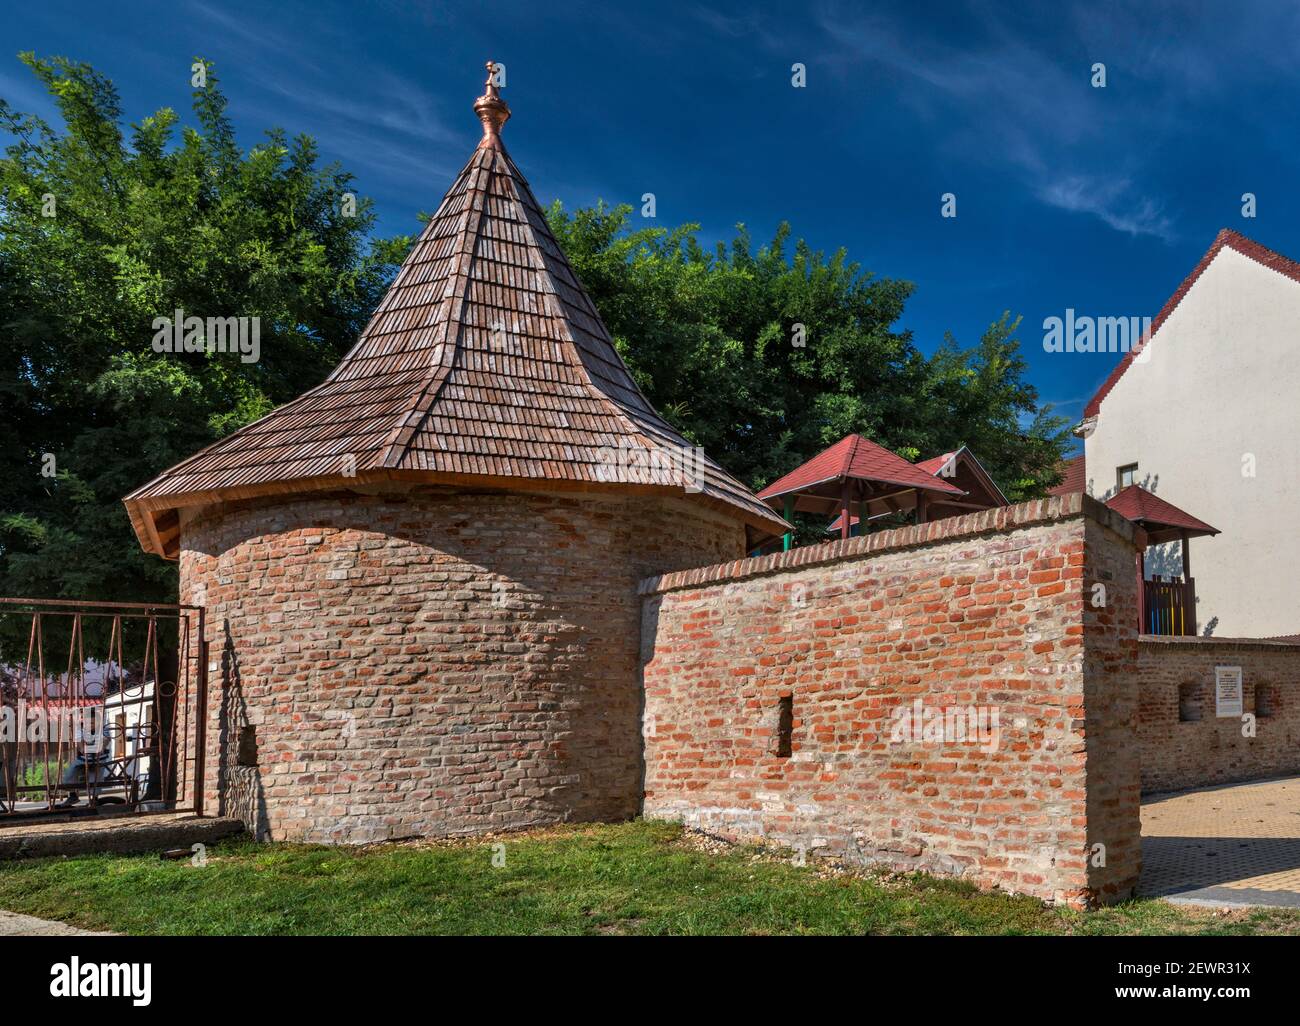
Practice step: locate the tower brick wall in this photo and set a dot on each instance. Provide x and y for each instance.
(430, 662)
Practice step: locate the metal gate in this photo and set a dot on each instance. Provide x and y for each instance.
(102, 705)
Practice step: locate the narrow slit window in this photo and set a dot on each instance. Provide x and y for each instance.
(246, 753)
(785, 727)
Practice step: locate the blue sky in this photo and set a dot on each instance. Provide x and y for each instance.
(1067, 195)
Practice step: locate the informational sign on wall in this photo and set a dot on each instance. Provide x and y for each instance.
(1227, 691)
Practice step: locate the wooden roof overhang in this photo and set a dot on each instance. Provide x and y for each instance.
(1161, 520)
(485, 364)
(157, 519)
(963, 469)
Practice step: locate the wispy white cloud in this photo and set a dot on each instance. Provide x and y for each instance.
(1112, 200)
(22, 92)
(1014, 104)
(387, 125)
(751, 25)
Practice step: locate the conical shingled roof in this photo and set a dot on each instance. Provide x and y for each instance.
(485, 363)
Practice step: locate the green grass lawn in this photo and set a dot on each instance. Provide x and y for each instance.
(631, 878)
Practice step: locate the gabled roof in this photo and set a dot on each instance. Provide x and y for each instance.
(935, 464)
(860, 459)
(1227, 238)
(964, 460)
(1074, 476)
(1155, 515)
(485, 363)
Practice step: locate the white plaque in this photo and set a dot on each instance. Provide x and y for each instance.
(1227, 691)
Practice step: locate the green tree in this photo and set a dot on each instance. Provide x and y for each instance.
(105, 227)
(711, 338)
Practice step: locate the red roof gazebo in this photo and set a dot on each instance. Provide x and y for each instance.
(855, 470)
(959, 468)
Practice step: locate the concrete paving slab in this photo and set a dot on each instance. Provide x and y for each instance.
(1237, 845)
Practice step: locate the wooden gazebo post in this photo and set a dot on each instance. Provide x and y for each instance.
(1141, 561)
(1189, 589)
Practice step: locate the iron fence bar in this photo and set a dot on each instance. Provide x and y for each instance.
(201, 716)
(158, 743)
(73, 604)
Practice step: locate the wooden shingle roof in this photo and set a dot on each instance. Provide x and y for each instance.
(485, 363)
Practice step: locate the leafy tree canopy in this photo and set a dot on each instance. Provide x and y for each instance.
(155, 216)
(105, 227)
(711, 338)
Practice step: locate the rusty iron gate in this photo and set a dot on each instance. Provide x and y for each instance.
(102, 705)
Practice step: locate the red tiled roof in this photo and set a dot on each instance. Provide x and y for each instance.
(935, 463)
(1137, 504)
(485, 362)
(856, 457)
(1232, 240)
(1074, 476)
(935, 466)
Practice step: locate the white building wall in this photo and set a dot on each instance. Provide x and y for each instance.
(1221, 384)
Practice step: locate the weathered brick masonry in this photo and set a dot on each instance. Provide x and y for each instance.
(992, 610)
(1184, 744)
(434, 662)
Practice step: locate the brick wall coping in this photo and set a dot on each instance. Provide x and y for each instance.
(990, 521)
(1155, 642)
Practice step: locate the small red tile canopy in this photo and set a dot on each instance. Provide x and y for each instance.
(855, 470)
(1163, 522)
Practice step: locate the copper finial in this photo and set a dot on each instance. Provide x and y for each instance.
(491, 109)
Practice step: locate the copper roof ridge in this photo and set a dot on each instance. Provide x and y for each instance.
(493, 111)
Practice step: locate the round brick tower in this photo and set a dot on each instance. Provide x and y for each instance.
(420, 576)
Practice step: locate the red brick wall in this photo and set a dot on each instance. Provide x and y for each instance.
(1212, 750)
(990, 611)
(433, 662)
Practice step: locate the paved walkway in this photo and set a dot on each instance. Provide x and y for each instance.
(1233, 845)
(14, 925)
